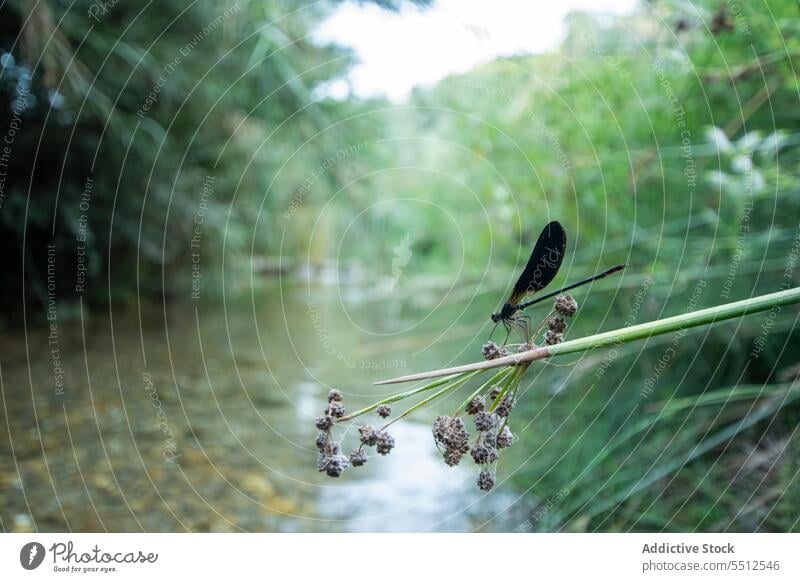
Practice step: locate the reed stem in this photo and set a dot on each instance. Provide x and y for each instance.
(404, 395)
(496, 378)
(431, 398)
(707, 316)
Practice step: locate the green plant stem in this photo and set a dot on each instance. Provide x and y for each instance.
(624, 335)
(403, 395)
(496, 378)
(432, 397)
(513, 380)
(679, 322)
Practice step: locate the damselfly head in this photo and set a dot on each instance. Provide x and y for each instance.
(506, 312)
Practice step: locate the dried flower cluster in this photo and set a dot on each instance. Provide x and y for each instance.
(491, 351)
(451, 433)
(453, 439)
(565, 306)
(330, 459)
(493, 434)
(488, 409)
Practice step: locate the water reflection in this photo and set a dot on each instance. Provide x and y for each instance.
(202, 420)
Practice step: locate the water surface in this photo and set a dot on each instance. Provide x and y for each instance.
(200, 418)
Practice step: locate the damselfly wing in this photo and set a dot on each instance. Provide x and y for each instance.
(542, 267)
(543, 264)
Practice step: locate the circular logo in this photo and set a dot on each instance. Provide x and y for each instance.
(31, 555)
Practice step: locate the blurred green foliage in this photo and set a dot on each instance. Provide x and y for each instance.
(650, 136)
(667, 139)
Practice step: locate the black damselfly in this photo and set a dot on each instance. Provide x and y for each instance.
(542, 267)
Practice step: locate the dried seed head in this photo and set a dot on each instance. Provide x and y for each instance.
(557, 324)
(485, 421)
(322, 441)
(462, 447)
(358, 457)
(504, 407)
(485, 480)
(566, 305)
(336, 466)
(526, 347)
(494, 392)
(324, 422)
(332, 448)
(492, 351)
(384, 410)
(385, 443)
(334, 396)
(440, 428)
(368, 435)
(505, 438)
(476, 405)
(480, 454)
(322, 461)
(452, 457)
(552, 338)
(336, 409)
(452, 433)
(457, 424)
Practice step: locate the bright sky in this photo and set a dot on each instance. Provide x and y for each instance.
(398, 50)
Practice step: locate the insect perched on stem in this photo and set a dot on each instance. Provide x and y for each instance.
(542, 267)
